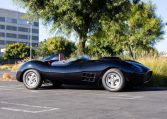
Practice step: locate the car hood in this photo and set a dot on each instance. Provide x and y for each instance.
(138, 66)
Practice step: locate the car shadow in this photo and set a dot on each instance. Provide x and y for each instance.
(71, 87)
(88, 87)
(140, 89)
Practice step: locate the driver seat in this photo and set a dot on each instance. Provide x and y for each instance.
(61, 57)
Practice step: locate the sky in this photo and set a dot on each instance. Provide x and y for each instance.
(161, 8)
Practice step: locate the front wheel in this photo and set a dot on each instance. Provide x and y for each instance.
(113, 80)
(32, 79)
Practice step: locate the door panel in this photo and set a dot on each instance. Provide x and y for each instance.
(72, 74)
(77, 72)
(57, 72)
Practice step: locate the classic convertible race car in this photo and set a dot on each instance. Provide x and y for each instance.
(112, 72)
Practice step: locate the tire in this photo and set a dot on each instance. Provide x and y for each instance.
(32, 79)
(56, 84)
(113, 80)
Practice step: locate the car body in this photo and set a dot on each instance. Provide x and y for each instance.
(84, 71)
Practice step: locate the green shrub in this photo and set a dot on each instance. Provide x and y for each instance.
(55, 45)
(16, 51)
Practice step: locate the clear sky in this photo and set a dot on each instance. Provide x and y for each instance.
(161, 10)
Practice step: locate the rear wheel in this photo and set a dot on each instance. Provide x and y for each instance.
(113, 80)
(32, 79)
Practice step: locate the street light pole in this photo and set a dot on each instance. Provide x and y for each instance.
(30, 38)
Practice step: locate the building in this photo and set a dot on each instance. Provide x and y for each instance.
(13, 29)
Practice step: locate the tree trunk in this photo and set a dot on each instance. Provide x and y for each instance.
(81, 45)
(131, 52)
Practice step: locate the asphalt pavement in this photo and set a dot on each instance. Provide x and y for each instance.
(70, 102)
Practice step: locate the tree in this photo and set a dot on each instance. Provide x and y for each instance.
(143, 28)
(81, 16)
(55, 45)
(16, 51)
(99, 47)
(139, 31)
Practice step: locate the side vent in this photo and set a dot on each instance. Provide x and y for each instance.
(89, 77)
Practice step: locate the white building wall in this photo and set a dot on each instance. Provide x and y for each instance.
(15, 19)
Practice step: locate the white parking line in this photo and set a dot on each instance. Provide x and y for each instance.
(21, 110)
(4, 102)
(42, 108)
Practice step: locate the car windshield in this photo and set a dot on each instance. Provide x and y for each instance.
(82, 57)
(73, 59)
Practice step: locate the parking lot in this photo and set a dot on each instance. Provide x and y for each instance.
(17, 102)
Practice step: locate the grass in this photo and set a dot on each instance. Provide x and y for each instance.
(159, 67)
(13, 67)
(6, 66)
(10, 67)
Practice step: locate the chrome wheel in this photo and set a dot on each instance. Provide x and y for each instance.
(113, 80)
(31, 79)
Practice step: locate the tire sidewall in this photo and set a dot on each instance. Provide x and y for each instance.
(122, 84)
(39, 80)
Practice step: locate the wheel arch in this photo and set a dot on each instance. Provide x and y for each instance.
(34, 65)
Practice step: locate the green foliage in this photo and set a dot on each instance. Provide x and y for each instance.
(137, 33)
(55, 45)
(16, 51)
(111, 25)
(80, 16)
(99, 47)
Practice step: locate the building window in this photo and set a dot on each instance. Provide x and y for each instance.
(10, 35)
(23, 36)
(11, 20)
(2, 42)
(22, 29)
(22, 22)
(2, 34)
(26, 43)
(36, 24)
(35, 31)
(2, 19)
(34, 37)
(12, 28)
(10, 42)
(34, 44)
(2, 26)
